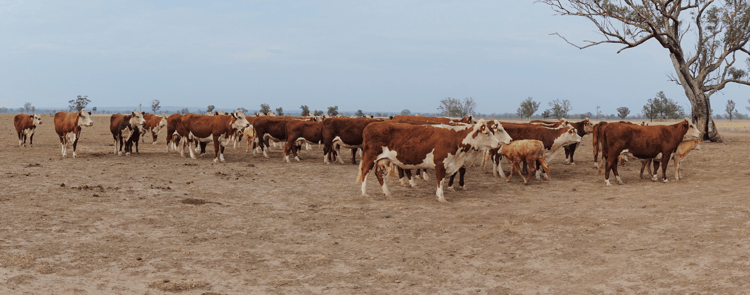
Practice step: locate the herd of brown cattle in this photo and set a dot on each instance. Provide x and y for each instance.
(400, 143)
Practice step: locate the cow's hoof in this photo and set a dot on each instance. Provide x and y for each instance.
(450, 188)
(442, 200)
(666, 180)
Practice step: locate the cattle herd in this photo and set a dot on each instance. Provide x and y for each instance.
(396, 144)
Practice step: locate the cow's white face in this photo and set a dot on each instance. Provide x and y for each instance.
(693, 132)
(500, 132)
(137, 119)
(36, 119)
(84, 119)
(240, 122)
(482, 137)
(163, 122)
(587, 126)
(569, 137)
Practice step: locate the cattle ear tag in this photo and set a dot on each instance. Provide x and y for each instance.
(484, 130)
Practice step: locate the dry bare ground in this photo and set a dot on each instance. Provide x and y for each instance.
(156, 223)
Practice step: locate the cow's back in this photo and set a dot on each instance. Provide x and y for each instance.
(412, 142)
(21, 122)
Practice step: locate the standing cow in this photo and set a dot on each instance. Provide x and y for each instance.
(153, 124)
(221, 129)
(25, 126)
(122, 127)
(68, 128)
(416, 147)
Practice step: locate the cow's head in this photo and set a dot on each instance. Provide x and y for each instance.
(570, 136)
(163, 122)
(500, 132)
(84, 118)
(136, 119)
(692, 130)
(240, 121)
(36, 119)
(220, 113)
(482, 137)
(587, 126)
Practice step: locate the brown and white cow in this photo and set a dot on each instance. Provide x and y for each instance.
(25, 127)
(68, 128)
(415, 146)
(644, 142)
(270, 128)
(529, 151)
(175, 132)
(122, 127)
(221, 129)
(153, 124)
(347, 132)
(552, 138)
(299, 132)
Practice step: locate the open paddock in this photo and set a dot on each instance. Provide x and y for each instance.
(156, 223)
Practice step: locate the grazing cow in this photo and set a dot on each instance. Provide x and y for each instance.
(552, 138)
(347, 132)
(68, 128)
(530, 152)
(414, 146)
(219, 128)
(122, 126)
(153, 124)
(25, 126)
(298, 132)
(582, 128)
(643, 142)
(270, 128)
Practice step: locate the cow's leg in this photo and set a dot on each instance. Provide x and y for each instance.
(20, 138)
(461, 173)
(573, 148)
(380, 167)
(645, 163)
(75, 144)
(533, 169)
(402, 176)
(654, 177)
(62, 143)
(514, 166)
(450, 182)
(31, 139)
(287, 151)
(354, 156)
(191, 148)
(368, 161)
(217, 149)
(617, 173)
(543, 164)
(297, 149)
(439, 175)
(568, 158)
(608, 166)
(665, 159)
(136, 147)
(499, 166)
(425, 176)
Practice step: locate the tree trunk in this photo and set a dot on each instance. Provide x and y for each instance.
(699, 101)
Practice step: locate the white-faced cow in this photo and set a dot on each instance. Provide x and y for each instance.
(68, 128)
(644, 142)
(122, 127)
(552, 138)
(153, 124)
(25, 127)
(415, 147)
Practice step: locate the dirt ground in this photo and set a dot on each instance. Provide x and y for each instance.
(156, 223)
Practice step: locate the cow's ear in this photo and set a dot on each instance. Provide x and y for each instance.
(31, 116)
(89, 113)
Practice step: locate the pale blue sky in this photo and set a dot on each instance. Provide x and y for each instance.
(370, 55)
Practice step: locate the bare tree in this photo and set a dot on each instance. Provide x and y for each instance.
(27, 107)
(79, 103)
(528, 108)
(280, 111)
(359, 113)
(210, 108)
(305, 110)
(265, 108)
(405, 112)
(333, 111)
(730, 109)
(720, 30)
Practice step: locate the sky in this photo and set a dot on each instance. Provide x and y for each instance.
(377, 56)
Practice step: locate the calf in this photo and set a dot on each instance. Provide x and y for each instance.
(582, 128)
(68, 128)
(153, 124)
(552, 138)
(530, 152)
(122, 126)
(415, 146)
(683, 149)
(643, 142)
(133, 139)
(25, 126)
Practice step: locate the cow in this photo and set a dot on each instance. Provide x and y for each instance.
(551, 124)
(582, 128)
(250, 135)
(347, 132)
(68, 128)
(25, 127)
(529, 151)
(270, 128)
(298, 132)
(153, 124)
(683, 149)
(643, 142)
(133, 139)
(414, 146)
(175, 132)
(552, 138)
(122, 126)
(219, 128)
(432, 120)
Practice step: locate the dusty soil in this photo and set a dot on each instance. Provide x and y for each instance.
(156, 223)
